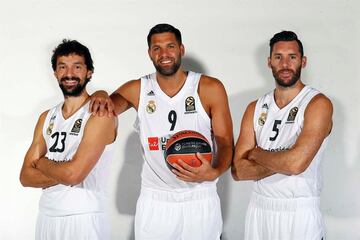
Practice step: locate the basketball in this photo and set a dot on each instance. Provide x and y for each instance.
(184, 145)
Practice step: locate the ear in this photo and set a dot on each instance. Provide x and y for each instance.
(182, 50)
(149, 53)
(269, 62)
(89, 74)
(303, 61)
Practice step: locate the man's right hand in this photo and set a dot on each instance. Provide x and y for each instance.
(101, 104)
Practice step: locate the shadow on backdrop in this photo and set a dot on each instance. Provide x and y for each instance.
(129, 180)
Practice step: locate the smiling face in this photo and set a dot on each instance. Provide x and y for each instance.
(286, 63)
(165, 52)
(72, 74)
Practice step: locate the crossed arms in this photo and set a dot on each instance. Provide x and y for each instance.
(253, 163)
(39, 172)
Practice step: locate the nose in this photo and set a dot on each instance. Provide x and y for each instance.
(284, 62)
(69, 72)
(163, 52)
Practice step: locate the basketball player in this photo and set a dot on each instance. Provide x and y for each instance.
(281, 143)
(70, 153)
(182, 204)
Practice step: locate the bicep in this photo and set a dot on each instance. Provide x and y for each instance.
(317, 126)
(246, 140)
(99, 132)
(37, 148)
(127, 95)
(220, 113)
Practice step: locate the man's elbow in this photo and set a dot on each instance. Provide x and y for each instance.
(237, 175)
(73, 179)
(298, 167)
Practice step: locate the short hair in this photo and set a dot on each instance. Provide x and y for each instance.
(67, 47)
(164, 28)
(286, 36)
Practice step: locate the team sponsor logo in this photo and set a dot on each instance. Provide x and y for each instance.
(153, 143)
(158, 143)
(190, 105)
(77, 126)
(151, 93)
(151, 107)
(262, 119)
(292, 115)
(265, 105)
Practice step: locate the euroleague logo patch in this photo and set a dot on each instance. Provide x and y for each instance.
(292, 115)
(190, 105)
(76, 128)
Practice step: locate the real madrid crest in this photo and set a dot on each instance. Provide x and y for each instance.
(151, 107)
(49, 129)
(262, 119)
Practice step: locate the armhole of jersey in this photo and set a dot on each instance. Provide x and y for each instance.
(202, 112)
(47, 120)
(256, 112)
(140, 110)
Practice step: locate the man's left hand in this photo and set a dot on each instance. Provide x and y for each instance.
(200, 174)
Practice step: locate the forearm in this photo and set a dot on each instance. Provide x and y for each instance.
(223, 157)
(120, 103)
(287, 162)
(244, 169)
(60, 171)
(32, 177)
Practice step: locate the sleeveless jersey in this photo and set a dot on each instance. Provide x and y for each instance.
(159, 117)
(62, 137)
(277, 130)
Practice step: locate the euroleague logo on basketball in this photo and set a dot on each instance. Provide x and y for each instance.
(184, 145)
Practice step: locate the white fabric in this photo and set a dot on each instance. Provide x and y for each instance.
(92, 226)
(154, 129)
(191, 215)
(283, 219)
(61, 202)
(285, 207)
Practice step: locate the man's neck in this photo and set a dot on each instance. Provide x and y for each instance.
(72, 104)
(284, 95)
(171, 85)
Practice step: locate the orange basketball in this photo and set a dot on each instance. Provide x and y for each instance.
(183, 145)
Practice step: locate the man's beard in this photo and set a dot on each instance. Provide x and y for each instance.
(295, 77)
(168, 71)
(75, 91)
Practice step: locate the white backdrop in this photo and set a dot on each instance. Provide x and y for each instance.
(226, 39)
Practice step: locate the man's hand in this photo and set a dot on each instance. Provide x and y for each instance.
(254, 153)
(101, 104)
(195, 174)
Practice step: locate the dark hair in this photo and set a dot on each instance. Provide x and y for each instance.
(286, 36)
(68, 47)
(164, 28)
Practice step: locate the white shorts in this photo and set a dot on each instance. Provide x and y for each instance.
(192, 215)
(92, 226)
(283, 219)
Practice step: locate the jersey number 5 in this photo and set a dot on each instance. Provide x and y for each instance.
(275, 129)
(54, 147)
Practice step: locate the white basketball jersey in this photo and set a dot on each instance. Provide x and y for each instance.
(277, 130)
(62, 137)
(159, 117)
